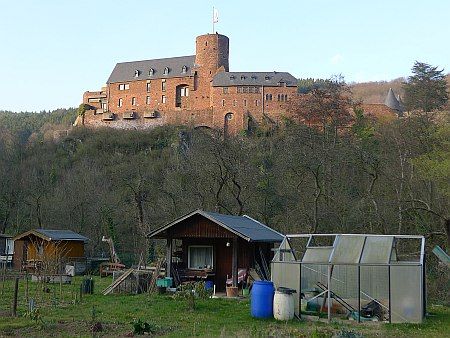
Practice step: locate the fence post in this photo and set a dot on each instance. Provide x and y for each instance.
(16, 292)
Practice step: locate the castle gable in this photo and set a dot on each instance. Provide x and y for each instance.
(152, 69)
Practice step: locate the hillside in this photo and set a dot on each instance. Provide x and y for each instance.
(26, 124)
(375, 92)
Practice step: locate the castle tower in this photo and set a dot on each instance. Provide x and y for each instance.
(211, 52)
(211, 57)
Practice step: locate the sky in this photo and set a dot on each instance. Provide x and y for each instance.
(54, 50)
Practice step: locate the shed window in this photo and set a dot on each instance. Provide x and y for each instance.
(200, 257)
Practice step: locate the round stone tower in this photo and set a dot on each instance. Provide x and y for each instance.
(211, 52)
(211, 57)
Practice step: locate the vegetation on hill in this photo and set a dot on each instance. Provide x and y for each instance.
(25, 124)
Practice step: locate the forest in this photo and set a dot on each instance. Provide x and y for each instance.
(371, 177)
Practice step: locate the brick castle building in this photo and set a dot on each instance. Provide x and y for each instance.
(196, 90)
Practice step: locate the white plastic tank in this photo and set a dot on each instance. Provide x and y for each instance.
(283, 304)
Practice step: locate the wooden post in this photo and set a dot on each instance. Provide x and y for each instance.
(16, 293)
(329, 293)
(169, 257)
(234, 264)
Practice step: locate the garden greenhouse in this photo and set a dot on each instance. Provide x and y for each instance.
(356, 276)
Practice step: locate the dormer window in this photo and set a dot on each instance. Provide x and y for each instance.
(232, 77)
(184, 69)
(253, 77)
(136, 73)
(151, 72)
(267, 78)
(166, 71)
(242, 77)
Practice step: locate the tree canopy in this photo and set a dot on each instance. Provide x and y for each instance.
(426, 89)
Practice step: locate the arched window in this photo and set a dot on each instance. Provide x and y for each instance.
(151, 72)
(184, 69)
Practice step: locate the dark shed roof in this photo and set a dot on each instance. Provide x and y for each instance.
(273, 79)
(243, 226)
(126, 71)
(54, 235)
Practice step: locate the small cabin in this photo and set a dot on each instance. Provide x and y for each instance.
(6, 249)
(214, 247)
(36, 247)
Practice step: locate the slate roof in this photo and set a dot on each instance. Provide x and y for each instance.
(272, 79)
(125, 71)
(55, 235)
(391, 101)
(243, 226)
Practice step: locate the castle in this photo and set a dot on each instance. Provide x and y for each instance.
(196, 90)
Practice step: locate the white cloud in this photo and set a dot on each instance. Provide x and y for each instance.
(336, 59)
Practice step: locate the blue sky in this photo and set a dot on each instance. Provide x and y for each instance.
(54, 50)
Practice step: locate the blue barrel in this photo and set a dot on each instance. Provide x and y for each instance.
(209, 285)
(262, 299)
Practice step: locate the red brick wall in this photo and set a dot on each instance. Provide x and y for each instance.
(138, 89)
(243, 105)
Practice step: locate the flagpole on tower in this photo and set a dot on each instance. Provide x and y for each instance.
(215, 18)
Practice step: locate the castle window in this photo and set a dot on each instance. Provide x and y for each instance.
(148, 87)
(133, 101)
(223, 103)
(151, 72)
(136, 73)
(148, 100)
(184, 69)
(163, 85)
(166, 71)
(225, 90)
(163, 99)
(184, 91)
(120, 103)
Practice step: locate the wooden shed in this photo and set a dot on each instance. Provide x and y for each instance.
(38, 245)
(215, 247)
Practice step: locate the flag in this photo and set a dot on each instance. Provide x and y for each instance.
(215, 16)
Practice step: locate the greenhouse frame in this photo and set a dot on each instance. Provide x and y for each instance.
(353, 275)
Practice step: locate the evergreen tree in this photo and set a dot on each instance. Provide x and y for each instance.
(426, 89)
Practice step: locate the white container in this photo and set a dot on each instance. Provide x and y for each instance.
(283, 306)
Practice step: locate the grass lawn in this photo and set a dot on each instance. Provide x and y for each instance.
(69, 317)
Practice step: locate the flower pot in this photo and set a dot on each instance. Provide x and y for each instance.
(232, 291)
